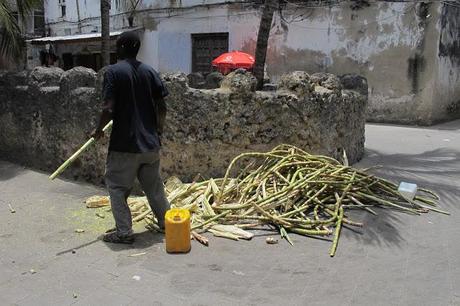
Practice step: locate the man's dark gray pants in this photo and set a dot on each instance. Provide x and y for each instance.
(121, 172)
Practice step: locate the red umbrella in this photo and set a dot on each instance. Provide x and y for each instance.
(233, 60)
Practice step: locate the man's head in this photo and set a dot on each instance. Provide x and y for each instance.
(128, 45)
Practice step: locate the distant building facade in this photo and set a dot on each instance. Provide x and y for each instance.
(408, 51)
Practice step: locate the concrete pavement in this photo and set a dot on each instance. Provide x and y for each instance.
(397, 259)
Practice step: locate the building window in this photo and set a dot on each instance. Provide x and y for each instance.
(205, 48)
(67, 31)
(39, 22)
(63, 8)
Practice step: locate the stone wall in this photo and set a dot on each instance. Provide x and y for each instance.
(45, 115)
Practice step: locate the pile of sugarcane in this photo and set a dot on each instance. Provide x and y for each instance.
(289, 190)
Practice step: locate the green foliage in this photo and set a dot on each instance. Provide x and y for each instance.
(11, 36)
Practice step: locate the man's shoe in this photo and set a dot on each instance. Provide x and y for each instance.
(114, 238)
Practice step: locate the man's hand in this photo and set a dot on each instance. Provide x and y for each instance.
(97, 134)
(105, 118)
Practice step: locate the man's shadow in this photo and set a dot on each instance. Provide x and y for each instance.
(143, 240)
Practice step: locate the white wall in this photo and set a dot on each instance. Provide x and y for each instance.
(381, 42)
(175, 42)
(148, 52)
(90, 12)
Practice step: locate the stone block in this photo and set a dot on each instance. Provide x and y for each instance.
(327, 80)
(45, 76)
(196, 80)
(297, 81)
(240, 81)
(355, 82)
(77, 77)
(213, 80)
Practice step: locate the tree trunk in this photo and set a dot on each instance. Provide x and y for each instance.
(262, 40)
(105, 32)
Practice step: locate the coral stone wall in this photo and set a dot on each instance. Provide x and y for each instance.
(46, 114)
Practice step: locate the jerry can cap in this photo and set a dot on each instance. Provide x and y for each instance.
(177, 215)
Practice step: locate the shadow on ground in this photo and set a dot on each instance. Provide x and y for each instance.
(445, 126)
(436, 170)
(382, 230)
(8, 171)
(448, 126)
(143, 240)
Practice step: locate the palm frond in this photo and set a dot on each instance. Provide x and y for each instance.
(11, 39)
(26, 7)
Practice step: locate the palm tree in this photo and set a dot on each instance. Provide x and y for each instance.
(262, 40)
(11, 32)
(105, 32)
(127, 5)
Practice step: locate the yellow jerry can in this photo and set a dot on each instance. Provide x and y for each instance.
(177, 230)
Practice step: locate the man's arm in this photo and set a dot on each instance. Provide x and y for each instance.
(108, 92)
(104, 118)
(161, 117)
(159, 93)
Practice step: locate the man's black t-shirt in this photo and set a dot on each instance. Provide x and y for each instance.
(130, 91)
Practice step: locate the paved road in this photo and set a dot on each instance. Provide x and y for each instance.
(397, 259)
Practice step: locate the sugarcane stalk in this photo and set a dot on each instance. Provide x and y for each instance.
(289, 190)
(433, 194)
(433, 209)
(223, 234)
(141, 216)
(308, 232)
(362, 205)
(72, 158)
(337, 233)
(273, 218)
(285, 235)
(388, 203)
(200, 238)
(345, 220)
(210, 220)
(424, 200)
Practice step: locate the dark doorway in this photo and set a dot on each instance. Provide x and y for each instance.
(67, 59)
(205, 48)
(92, 60)
(86, 60)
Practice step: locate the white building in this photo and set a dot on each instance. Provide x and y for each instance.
(184, 36)
(408, 51)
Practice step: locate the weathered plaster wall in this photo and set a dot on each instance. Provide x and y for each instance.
(45, 116)
(392, 44)
(395, 45)
(446, 91)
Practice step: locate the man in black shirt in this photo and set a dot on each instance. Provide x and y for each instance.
(133, 98)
